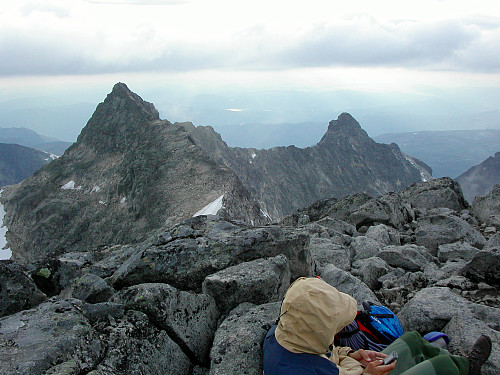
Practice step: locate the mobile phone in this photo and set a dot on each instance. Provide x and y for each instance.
(390, 358)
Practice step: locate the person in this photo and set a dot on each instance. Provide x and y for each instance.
(312, 313)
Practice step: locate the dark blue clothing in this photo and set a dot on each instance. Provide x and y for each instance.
(279, 361)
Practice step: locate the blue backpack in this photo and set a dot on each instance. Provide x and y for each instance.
(374, 328)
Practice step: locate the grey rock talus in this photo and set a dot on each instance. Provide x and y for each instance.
(258, 281)
(189, 319)
(441, 192)
(324, 252)
(136, 346)
(432, 308)
(435, 230)
(33, 341)
(202, 246)
(237, 344)
(18, 291)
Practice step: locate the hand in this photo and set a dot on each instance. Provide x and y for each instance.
(365, 357)
(377, 367)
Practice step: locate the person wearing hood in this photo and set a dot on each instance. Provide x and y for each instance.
(313, 312)
(302, 343)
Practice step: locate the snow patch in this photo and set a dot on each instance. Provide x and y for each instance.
(212, 208)
(254, 155)
(4, 253)
(123, 200)
(266, 214)
(423, 175)
(102, 202)
(70, 186)
(95, 189)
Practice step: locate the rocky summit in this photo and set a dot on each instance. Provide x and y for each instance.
(199, 296)
(130, 174)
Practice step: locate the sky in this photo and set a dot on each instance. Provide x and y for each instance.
(266, 61)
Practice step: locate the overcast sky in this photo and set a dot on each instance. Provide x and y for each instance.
(85, 46)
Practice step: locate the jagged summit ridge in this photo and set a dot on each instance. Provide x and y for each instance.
(345, 128)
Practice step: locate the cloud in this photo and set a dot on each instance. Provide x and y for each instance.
(138, 2)
(59, 47)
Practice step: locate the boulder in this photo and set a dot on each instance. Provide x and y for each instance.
(186, 260)
(408, 257)
(436, 230)
(488, 206)
(33, 341)
(136, 346)
(432, 308)
(89, 288)
(364, 247)
(493, 242)
(259, 281)
(349, 284)
(190, 319)
(237, 347)
(388, 209)
(370, 270)
(323, 252)
(337, 225)
(384, 234)
(464, 330)
(17, 290)
(484, 266)
(441, 192)
(457, 250)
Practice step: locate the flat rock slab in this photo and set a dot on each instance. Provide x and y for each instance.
(257, 282)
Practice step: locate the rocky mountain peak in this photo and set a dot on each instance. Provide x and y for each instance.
(345, 127)
(117, 120)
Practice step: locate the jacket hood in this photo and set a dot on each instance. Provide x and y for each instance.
(311, 314)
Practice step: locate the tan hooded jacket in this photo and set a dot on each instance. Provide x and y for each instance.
(311, 314)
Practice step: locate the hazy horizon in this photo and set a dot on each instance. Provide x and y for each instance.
(431, 65)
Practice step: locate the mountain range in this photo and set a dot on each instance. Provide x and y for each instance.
(480, 179)
(130, 174)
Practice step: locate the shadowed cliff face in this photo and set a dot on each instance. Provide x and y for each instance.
(128, 175)
(345, 161)
(480, 179)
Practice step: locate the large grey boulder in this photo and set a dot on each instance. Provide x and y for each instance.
(349, 284)
(484, 266)
(493, 242)
(441, 192)
(323, 252)
(436, 230)
(89, 288)
(364, 247)
(190, 319)
(197, 249)
(17, 290)
(384, 234)
(136, 346)
(488, 206)
(408, 257)
(463, 331)
(389, 209)
(237, 347)
(33, 341)
(432, 308)
(457, 250)
(370, 270)
(259, 281)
